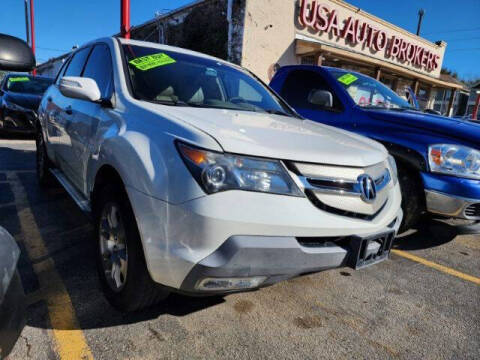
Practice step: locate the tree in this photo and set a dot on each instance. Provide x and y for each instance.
(450, 72)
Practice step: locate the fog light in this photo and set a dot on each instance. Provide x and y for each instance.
(215, 284)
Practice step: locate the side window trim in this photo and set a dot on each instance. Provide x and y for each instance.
(62, 70)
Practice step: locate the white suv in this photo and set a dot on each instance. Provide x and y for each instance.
(201, 180)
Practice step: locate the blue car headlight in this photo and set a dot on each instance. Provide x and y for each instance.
(457, 160)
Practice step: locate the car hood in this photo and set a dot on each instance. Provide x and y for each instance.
(27, 101)
(280, 137)
(449, 127)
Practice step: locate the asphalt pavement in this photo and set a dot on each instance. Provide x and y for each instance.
(423, 303)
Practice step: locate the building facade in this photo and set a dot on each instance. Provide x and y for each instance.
(263, 35)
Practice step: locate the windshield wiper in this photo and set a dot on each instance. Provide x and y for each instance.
(277, 112)
(169, 102)
(400, 108)
(403, 108)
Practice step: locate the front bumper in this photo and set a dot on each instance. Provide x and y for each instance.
(177, 237)
(275, 259)
(452, 196)
(17, 121)
(12, 315)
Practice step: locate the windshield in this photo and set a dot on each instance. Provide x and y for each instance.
(28, 85)
(369, 93)
(173, 78)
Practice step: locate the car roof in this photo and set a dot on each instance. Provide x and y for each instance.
(124, 41)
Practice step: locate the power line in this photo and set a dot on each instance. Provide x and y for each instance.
(465, 49)
(50, 49)
(462, 39)
(452, 31)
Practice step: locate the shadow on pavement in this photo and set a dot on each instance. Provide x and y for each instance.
(429, 233)
(14, 159)
(16, 136)
(68, 237)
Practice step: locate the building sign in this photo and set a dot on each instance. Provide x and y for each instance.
(337, 24)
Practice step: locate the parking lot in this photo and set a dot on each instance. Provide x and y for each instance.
(422, 303)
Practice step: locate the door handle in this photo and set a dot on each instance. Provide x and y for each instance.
(69, 110)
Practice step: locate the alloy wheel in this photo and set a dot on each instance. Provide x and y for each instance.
(113, 247)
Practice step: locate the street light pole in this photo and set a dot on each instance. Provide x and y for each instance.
(32, 27)
(125, 19)
(27, 23)
(421, 12)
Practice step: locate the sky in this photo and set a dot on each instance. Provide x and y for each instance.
(60, 24)
(454, 21)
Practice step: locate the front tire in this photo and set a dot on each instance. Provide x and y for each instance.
(121, 265)
(413, 198)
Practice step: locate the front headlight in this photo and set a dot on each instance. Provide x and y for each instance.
(393, 169)
(217, 172)
(455, 160)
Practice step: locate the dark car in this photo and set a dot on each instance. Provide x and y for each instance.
(20, 95)
(12, 298)
(15, 55)
(438, 157)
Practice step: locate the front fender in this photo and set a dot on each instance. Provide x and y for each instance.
(149, 165)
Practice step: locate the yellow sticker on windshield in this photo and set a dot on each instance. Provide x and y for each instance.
(152, 61)
(347, 79)
(18, 79)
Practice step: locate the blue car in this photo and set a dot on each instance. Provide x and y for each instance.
(438, 157)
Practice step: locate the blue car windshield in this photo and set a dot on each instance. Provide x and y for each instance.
(180, 79)
(369, 93)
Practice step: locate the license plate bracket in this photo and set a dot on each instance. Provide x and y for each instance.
(366, 251)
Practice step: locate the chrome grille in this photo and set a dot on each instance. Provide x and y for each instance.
(342, 186)
(343, 190)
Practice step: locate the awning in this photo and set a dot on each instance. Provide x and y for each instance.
(307, 46)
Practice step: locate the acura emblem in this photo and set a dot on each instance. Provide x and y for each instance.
(368, 189)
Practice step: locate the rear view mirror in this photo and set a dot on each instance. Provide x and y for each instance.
(322, 98)
(15, 54)
(80, 88)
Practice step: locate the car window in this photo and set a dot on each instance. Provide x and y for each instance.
(368, 92)
(248, 92)
(298, 86)
(176, 78)
(99, 68)
(78, 61)
(61, 73)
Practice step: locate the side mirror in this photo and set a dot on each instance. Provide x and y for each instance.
(15, 54)
(80, 88)
(321, 98)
